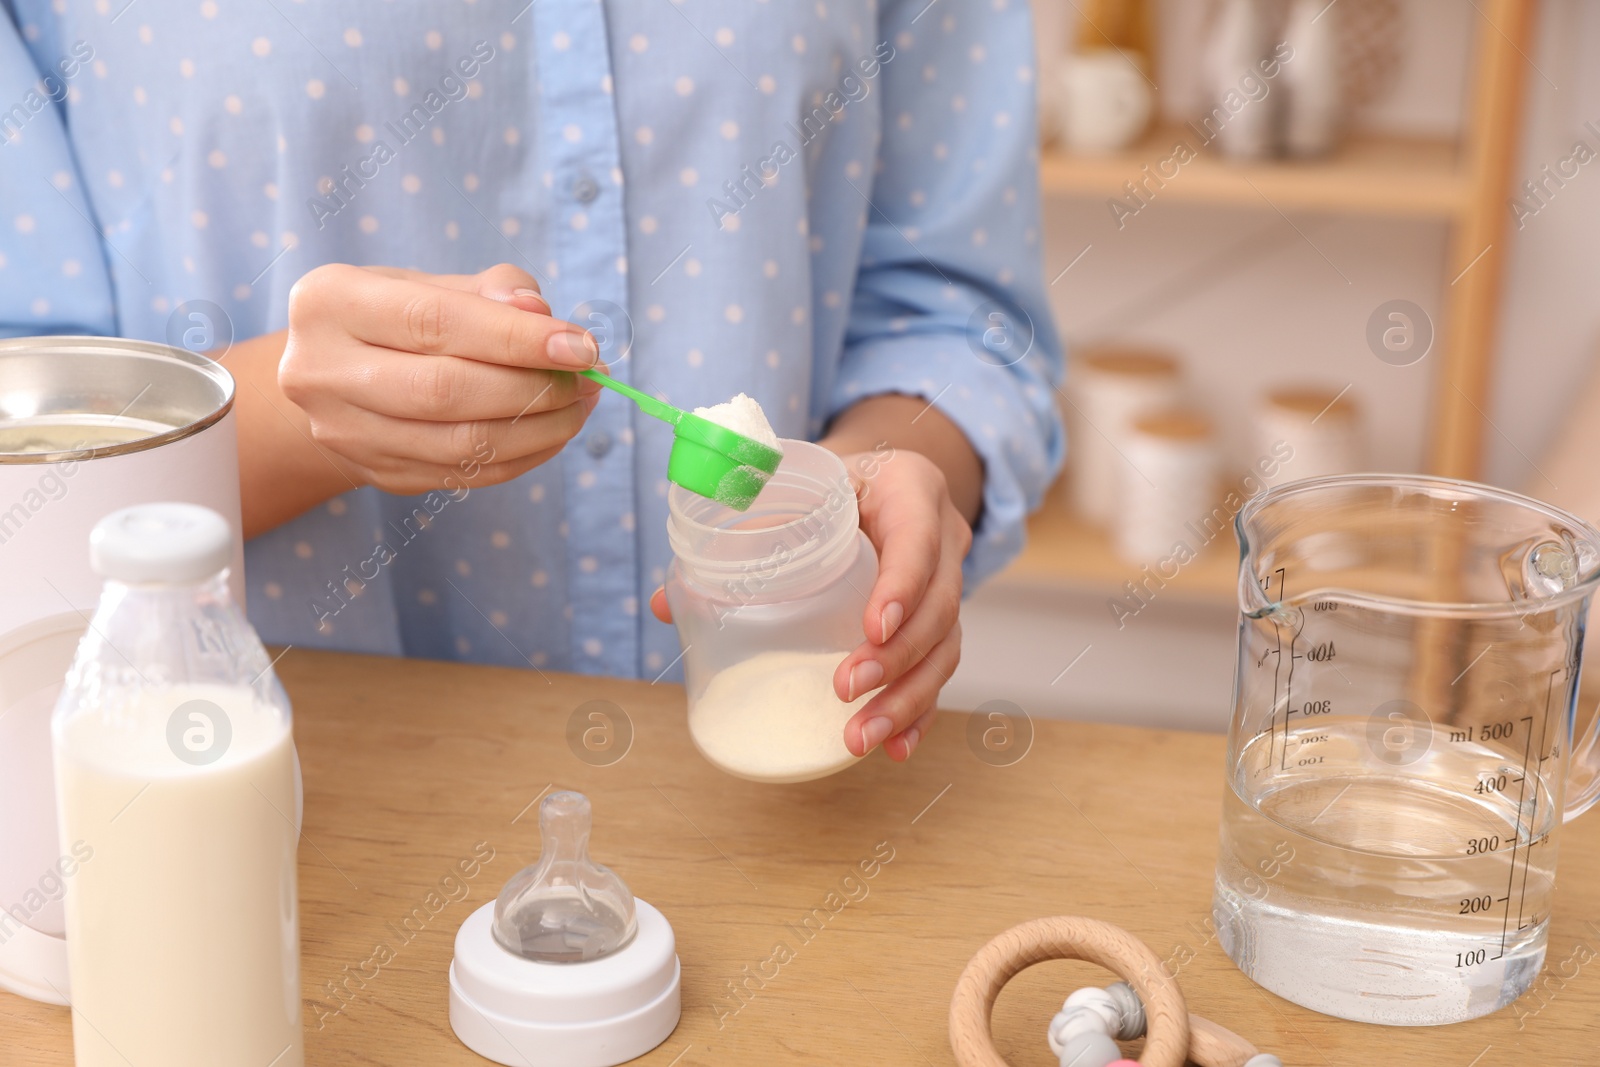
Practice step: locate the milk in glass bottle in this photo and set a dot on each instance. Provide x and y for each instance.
(175, 773)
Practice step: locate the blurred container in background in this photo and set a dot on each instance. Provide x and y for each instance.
(1106, 91)
(1313, 109)
(1110, 388)
(1323, 426)
(1168, 483)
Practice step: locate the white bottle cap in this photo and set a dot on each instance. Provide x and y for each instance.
(161, 543)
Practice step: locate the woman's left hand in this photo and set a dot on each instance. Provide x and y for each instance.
(912, 620)
(919, 484)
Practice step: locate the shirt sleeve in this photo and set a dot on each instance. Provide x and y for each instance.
(950, 302)
(53, 276)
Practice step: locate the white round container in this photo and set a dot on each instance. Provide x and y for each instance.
(1320, 428)
(1170, 485)
(88, 425)
(1110, 388)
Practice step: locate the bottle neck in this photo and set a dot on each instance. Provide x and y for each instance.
(175, 632)
(799, 535)
(212, 590)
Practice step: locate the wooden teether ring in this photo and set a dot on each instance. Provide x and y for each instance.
(1169, 1027)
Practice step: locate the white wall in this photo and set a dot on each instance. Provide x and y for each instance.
(1250, 303)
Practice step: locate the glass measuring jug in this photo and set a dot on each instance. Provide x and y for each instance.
(1401, 753)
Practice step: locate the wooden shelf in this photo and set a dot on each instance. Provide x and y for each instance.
(1065, 553)
(1373, 175)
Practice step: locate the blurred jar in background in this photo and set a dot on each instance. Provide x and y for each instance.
(1170, 484)
(1314, 107)
(1323, 426)
(1239, 107)
(1107, 96)
(1122, 25)
(1110, 387)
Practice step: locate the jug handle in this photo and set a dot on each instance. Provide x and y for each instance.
(1583, 771)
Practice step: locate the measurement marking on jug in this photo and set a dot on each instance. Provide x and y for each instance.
(1277, 670)
(1493, 731)
(1533, 813)
(1511, 875)
(1492, 783)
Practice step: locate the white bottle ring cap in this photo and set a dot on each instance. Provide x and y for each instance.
(598, 1013)
(166, 543)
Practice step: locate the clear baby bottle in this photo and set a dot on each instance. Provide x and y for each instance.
(767, 603)
(175, 785)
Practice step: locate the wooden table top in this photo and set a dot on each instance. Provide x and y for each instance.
(411, 767)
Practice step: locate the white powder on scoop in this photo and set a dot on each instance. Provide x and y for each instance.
(743, 416)
(774, 718)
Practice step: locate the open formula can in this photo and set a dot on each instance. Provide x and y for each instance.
(87, 425)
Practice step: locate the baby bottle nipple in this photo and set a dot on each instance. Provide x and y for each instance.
(565, 966)
(565, 908)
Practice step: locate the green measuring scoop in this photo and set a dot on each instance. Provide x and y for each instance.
(707, 459)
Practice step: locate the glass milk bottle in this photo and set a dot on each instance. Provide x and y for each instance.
(175, 776)
(767, 603)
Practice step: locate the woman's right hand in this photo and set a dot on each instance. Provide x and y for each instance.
(410, 379)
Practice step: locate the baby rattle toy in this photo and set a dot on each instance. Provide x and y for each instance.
(1146, 1003)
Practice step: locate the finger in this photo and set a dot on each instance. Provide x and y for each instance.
(659, 606)
(448, 389)
(465, 282)
(904, 524)
(407, 315)
(388, 444)
(415, 477)
(510, 284)
(898, 706)
(505, 282)
(871, 665)
(901, 745)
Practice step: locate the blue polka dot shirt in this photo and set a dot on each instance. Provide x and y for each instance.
(811, 203)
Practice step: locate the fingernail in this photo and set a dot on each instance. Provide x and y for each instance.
(911, 737)
(890, 618)
(874, 732)
(573, 349)
(864, 676)
(532, 294)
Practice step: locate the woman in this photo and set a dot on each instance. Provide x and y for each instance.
(831, 207)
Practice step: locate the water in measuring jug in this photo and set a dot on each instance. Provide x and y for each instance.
(1400, 748)
(1390, 898)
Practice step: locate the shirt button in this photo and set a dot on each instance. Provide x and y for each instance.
(598, 444)
(585, 188)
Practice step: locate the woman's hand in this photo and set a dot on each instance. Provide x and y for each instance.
(911, 622)
(409, 379)
(919, 486)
